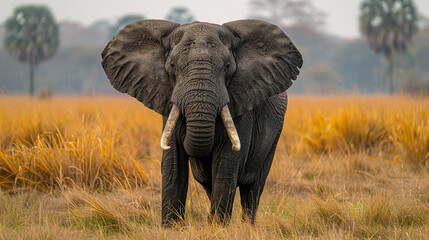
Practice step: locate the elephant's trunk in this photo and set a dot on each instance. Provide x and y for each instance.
(200, 126)
(197, 97)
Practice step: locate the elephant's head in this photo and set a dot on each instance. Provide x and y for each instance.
(200, 69)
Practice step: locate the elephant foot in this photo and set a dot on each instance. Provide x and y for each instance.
(171, 218)
(248, 217)
(173, 222)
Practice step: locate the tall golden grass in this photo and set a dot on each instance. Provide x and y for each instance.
(100, 142)
(345, 167)
(68, 142)
(396, 127)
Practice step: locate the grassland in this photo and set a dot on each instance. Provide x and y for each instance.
(346, 167)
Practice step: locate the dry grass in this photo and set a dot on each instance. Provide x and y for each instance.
(347, 167)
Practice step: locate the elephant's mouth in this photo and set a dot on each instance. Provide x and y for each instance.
(226, 119)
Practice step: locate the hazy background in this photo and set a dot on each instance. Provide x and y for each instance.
(336, 58)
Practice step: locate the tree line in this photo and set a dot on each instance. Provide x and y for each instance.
(31, 35)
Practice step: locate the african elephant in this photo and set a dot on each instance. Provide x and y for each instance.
(221, 90)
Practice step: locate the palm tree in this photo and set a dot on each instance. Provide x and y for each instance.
(388, 26)
(31, 35)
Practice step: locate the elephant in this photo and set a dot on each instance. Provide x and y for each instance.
(221, 91)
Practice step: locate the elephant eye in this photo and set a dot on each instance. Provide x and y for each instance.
(227, 67)
(189, 44)
(173, 66)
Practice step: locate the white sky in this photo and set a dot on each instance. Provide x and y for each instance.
(341, 14)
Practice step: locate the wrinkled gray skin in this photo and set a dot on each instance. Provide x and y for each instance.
(201, 67)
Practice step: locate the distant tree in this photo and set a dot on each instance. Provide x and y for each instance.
(102, 25)
(124, 21)
(388, 26)
(1, 34)
(315, 45)
(356, 64)
(31, 35)
(76, 34)
(321, 79)
(411, 65)
(421, 49)
(423, 21)
(180, 15)
(287, 12)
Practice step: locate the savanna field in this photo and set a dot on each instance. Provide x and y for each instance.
(346, 167)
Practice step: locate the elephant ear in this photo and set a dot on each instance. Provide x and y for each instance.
(267, 62)
(134, 63)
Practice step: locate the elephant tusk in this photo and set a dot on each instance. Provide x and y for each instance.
(169, 127)
(230, 128)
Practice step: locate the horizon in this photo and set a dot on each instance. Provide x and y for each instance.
(341, 20)
(333, 63)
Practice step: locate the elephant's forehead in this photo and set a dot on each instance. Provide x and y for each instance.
(202, 29)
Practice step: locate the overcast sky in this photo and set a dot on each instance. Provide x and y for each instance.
(341, 14)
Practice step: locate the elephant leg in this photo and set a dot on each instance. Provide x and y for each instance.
(222, 199)
(250, 194)
(226, 166)
(175, 177)
(201, 170)
(220, 188)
